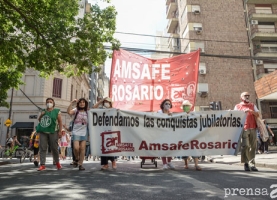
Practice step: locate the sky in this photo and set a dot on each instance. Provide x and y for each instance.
(139, 17)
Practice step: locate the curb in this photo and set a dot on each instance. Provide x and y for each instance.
(272, 166)
(5, 162)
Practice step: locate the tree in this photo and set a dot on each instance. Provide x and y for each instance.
(47, 36)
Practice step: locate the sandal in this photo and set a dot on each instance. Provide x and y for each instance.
(186, 167)
(75, 163)
(198, 168)
(105, 167)
(81, 167)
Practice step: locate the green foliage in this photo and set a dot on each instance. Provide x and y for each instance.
(46, 35)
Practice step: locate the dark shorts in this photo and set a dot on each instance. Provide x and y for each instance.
(36, 151)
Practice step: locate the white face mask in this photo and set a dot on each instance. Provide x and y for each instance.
(107, 105)
(166, 107)
(49, 105)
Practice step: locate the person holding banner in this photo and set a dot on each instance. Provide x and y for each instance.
(249, 135)
(106, 103)
(165, 109)
(186, 106)
(79, 131)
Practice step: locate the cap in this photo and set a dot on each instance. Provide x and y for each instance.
(108, 99)
(186, 102)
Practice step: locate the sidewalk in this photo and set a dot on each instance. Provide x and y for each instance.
(262, 160)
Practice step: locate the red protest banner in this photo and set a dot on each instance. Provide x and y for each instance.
(141, 84)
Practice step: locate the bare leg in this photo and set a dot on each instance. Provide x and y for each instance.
(196, 164)
(186, 163)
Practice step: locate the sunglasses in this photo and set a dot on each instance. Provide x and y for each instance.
(167, 104)
(247, 95)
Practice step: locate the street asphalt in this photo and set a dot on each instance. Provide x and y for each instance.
(217, 180)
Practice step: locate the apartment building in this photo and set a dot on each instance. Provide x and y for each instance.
(227, 32)
(261, 19)
(217, 28)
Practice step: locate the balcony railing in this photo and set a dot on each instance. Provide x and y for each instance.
(262, 30)
(265, 50)
(262, 11)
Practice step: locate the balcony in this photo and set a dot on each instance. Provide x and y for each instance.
(260, 1)
(171, 8)
(265, 51)
(266, 87)
(174, 43)
(263, 15)
(259, 33)
(172, 24)
(167, 2)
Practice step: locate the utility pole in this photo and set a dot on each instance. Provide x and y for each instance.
(10, 113)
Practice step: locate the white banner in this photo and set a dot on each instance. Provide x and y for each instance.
(128, 133)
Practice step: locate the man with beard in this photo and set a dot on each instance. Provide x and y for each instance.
(249, 135)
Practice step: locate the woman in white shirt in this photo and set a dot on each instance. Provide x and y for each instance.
(79, 132)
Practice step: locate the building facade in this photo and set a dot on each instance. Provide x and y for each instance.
(30, 98)
(218, 29)
(261, 19)
(238, 42)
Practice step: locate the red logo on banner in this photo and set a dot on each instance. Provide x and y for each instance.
(111, 143)
(139, 83)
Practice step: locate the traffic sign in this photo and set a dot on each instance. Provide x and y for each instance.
(8, 122)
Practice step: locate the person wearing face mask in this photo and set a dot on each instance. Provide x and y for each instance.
(106, 103)
(186, 107)
(165, 109)
(80, 130)
(50, 129)
(249, 135)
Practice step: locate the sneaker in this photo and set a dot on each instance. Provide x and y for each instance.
(41, 168)
(266, 152)
(246, 167)
(253, 168)
(165, 166)
(58, 166)
(170, 165)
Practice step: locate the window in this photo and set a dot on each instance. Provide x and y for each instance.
(270, 67)
(29, 84)
(57, 87)
(273, 111)
(71, 93)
